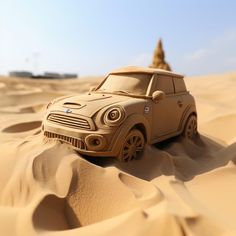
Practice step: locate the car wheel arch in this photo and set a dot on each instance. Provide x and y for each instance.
(132, 122)
(189, 113)
(141, 127)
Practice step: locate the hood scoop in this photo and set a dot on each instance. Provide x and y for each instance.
(73, 105)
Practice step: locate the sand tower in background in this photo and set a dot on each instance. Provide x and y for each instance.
(159, 58)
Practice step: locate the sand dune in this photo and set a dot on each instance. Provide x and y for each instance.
(178, 187)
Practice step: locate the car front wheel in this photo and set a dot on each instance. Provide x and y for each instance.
(190, 130)
(133, 146)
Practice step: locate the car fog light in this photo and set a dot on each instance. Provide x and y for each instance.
(95, 142)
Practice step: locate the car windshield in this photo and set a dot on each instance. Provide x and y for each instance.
(130, 83)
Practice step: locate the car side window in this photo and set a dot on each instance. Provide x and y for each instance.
(179, 85)
(165, 84)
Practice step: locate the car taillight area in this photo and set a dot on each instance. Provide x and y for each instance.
(69, 121)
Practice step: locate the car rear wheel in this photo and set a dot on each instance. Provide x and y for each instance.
(190, 130)
(133, 146)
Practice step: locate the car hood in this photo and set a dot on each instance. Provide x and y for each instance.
(87, 105)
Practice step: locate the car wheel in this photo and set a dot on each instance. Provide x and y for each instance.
(190, 130)
(133, 146)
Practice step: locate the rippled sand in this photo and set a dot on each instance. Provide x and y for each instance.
(179, 187)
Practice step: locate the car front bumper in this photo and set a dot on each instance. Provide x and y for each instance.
(93, 143)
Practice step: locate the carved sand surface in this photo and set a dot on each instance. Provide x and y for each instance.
(178, 187)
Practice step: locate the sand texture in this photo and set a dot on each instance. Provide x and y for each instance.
(179, 187)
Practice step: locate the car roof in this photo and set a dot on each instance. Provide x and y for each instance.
(146, 70)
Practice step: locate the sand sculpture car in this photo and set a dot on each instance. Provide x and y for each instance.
(130, 107)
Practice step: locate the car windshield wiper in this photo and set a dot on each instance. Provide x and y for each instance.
(121, 91)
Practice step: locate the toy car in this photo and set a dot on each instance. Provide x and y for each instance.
(130, 107)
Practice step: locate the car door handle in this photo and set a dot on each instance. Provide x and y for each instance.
(180, 103)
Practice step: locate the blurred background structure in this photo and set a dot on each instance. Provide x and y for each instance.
(159, 58)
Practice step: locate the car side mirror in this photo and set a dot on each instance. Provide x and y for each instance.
(158, 95)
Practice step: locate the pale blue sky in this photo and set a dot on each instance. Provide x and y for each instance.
(94, 37)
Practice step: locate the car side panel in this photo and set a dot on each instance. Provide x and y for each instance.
(167, 115)
(190, 108)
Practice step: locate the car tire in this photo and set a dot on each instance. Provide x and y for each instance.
(133, 146)
(190, 129)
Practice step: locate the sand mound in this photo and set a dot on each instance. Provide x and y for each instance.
(22, 127)
(52, 185)
(2, 86)
(53, 189)
(178, 187)
(224, 127)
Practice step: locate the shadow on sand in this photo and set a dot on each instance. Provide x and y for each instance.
(177, 156)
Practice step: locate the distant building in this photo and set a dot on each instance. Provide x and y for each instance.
(46, 75)
(52, 75)
(69, 76)
(22, 74)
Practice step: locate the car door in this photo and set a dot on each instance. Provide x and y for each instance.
(166, 112)
(181, 94)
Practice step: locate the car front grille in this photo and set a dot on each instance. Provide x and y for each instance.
(69, 121)
(78, 143)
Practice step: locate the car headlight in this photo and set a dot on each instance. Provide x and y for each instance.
(114, 116)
